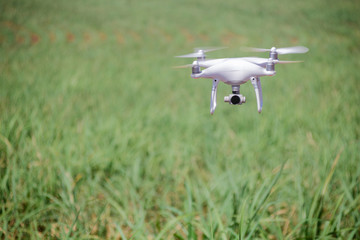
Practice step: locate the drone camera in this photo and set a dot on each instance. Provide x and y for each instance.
(235, 99)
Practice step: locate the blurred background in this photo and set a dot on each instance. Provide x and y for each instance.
(100, 138)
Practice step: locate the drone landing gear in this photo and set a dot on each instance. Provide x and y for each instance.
(235, 98)
(213, 96)
(258, 92)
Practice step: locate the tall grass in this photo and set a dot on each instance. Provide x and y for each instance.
(101, 138)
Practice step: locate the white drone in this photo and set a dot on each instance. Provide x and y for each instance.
(237, 71)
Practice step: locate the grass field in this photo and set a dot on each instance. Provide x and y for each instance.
(100, 138)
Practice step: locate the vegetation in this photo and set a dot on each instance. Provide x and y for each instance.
(101, 138)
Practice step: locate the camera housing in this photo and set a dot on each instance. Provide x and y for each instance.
(235, 99)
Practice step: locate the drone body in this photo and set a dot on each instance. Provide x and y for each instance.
(233, 71)
(237, 71)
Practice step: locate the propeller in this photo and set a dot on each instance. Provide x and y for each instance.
(200, 52)
(285, 62)
(205, 63)
(264, 61)
(183, 66)
(287, 50)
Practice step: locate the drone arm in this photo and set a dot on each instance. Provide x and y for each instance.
(258, 92)
(213, 96)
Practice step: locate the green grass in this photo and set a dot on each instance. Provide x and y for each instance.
(101, 138)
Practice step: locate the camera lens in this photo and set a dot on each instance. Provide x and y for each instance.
(235, 99)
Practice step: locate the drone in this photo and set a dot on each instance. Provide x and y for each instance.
(237, 71)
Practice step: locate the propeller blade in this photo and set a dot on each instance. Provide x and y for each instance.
(183, 66)
(285, 62)
(289, 50)
(208, 49)
(251, 49)
(263, 61)
(191, 55)
(199, 52)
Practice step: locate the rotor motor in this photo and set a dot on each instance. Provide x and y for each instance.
(270, 66)
(273, 54)
(195, 68)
